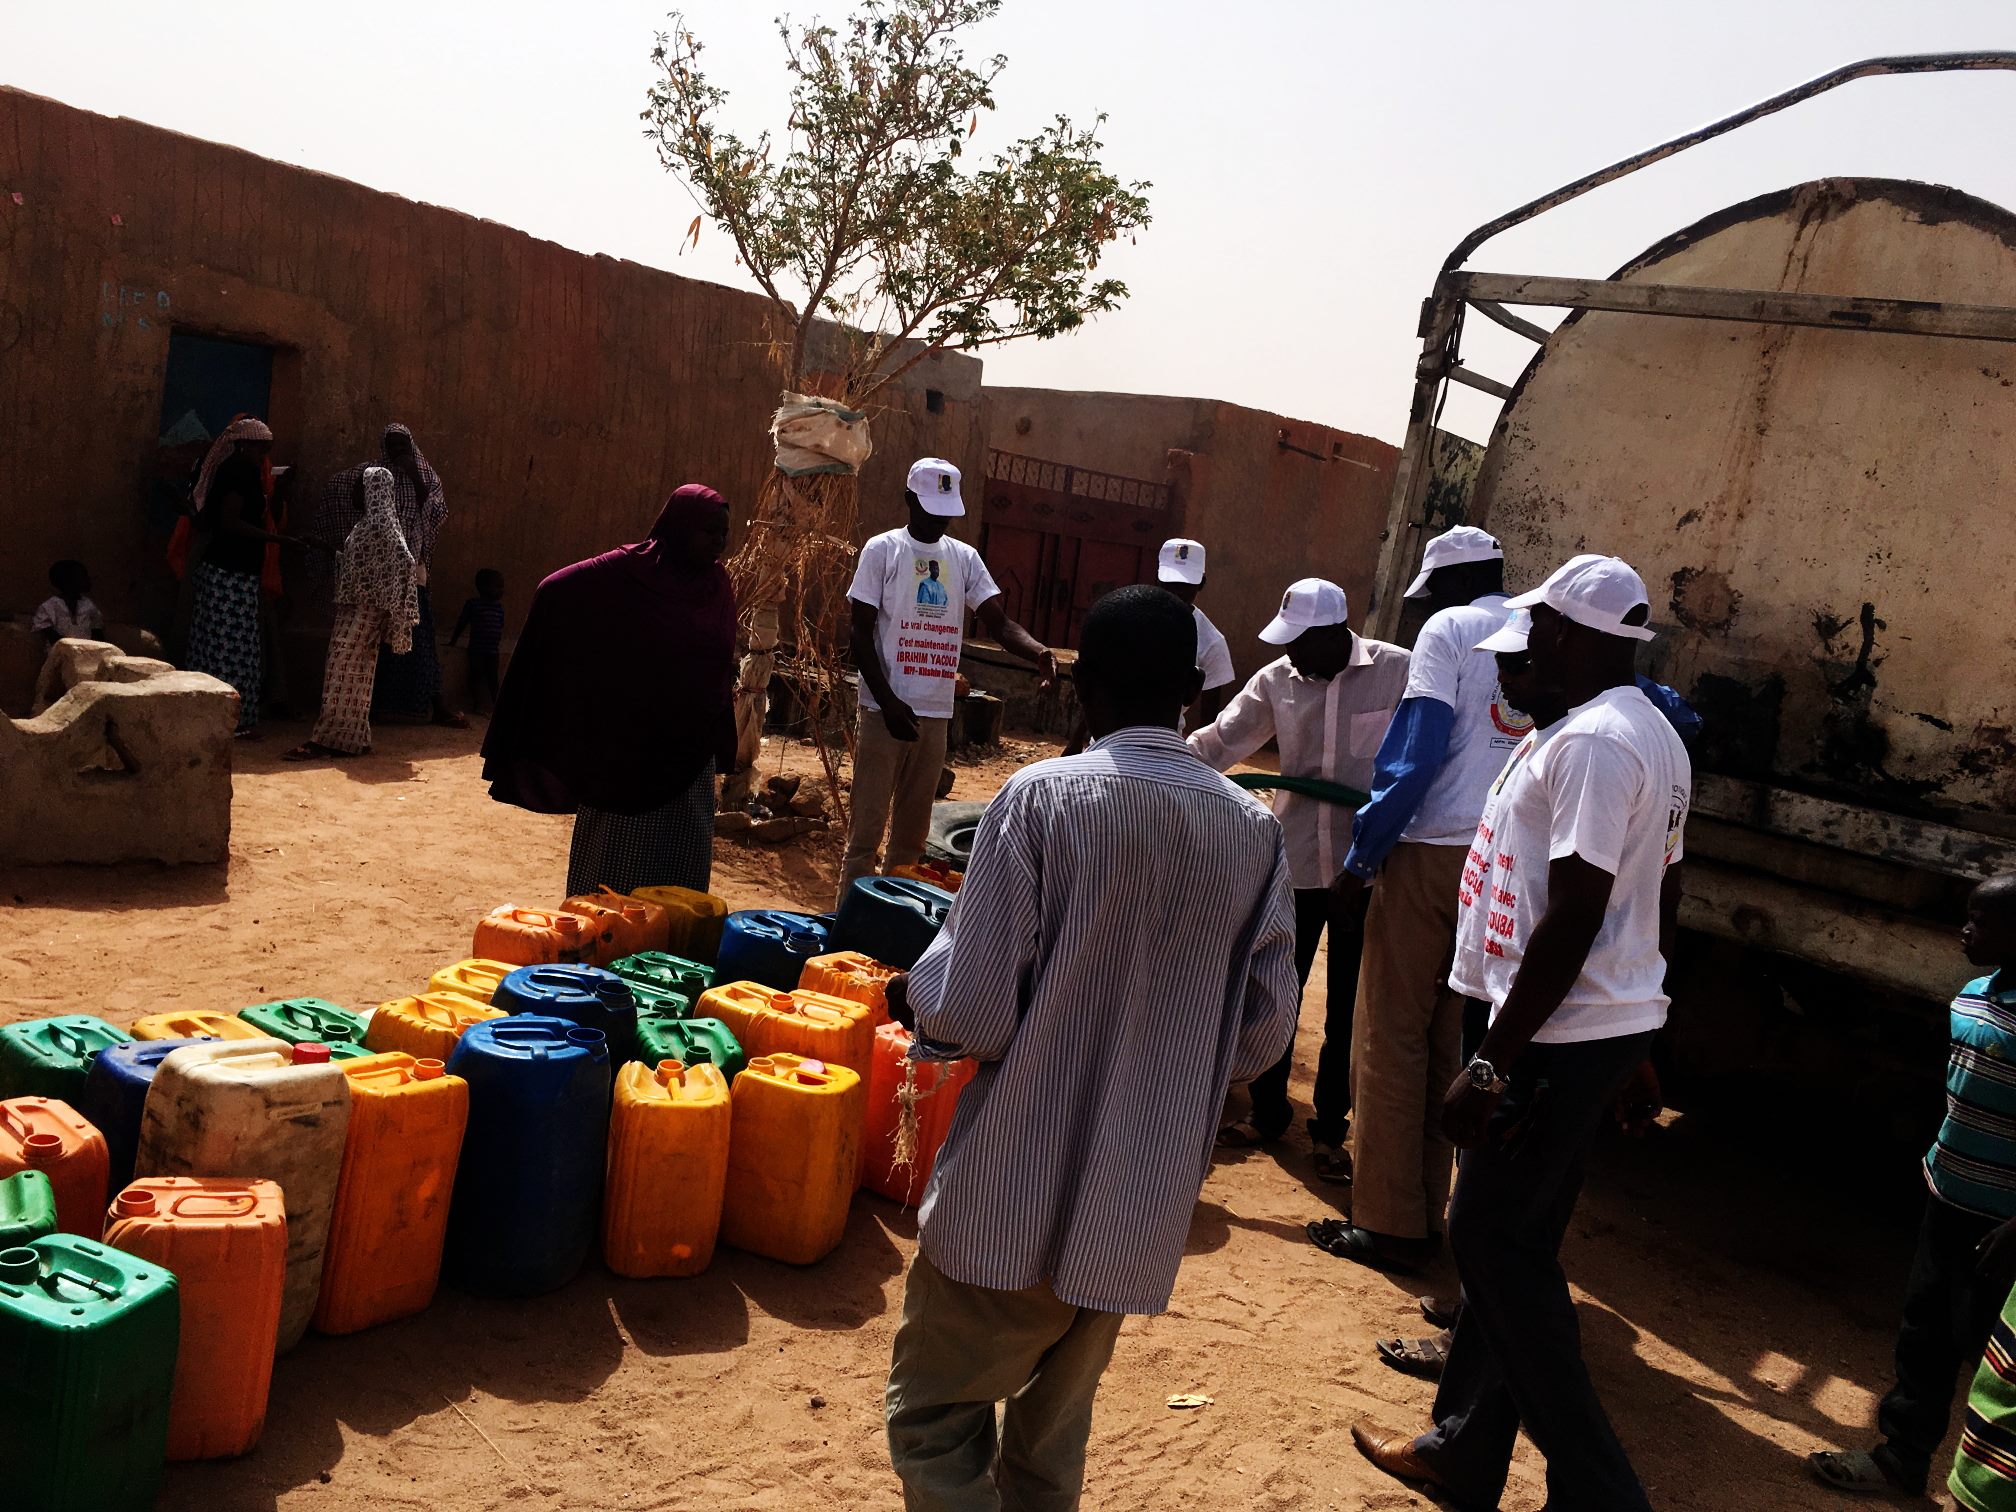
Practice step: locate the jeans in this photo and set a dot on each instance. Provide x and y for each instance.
(1317, 908)
(1516, 1359)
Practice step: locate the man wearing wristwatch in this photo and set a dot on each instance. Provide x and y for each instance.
(1565, 904)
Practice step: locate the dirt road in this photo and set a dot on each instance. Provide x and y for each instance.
(1738, 1282)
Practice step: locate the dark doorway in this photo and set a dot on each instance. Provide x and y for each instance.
(215, 379)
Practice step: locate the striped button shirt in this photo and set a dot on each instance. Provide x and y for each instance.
(1122, 949)
(1972, 1164)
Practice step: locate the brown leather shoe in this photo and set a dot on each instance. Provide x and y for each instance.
(1394, 1453)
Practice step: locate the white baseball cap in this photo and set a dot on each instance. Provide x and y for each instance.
(936, 484)
(1180, 561)
(1596, 591)
(1510, 636)
(1308, 604)
(1463, 543)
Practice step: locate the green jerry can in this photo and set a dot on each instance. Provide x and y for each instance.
(89, 1336)
(689, 1041)
(27, 1208)
(50, 1057)
(300, 1021)
(662, 1001)
(668, 973)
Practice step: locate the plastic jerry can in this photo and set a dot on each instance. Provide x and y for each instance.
(668, 973)
(937, 873)
(769, 946)
(851, 975)
(626, 925)
(425, 1027)
(302, 1020)
(195, 1024)
(693, 920)
(115, 1092)
(225, 1240)
(89, 1335)
(691, 1042)
(48, 1135)
(668, 1163)
(474, 978)
(27, 1208)
(529, 1187)
(890, 919)
(342, 1050)
(793, 1156)
(659, 1002)
(937, 1084)
(535, 937)
(383, 1262)
(805, 1023)
(264, 1109)
(584, 995)
(50, 1057)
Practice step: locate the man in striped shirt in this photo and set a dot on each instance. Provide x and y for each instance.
(1123, 948)
(1967, 1241)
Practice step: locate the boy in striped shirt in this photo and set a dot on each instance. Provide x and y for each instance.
(1967, 1242)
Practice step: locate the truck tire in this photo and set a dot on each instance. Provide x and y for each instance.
(952, 827)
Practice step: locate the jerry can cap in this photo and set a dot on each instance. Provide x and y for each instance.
(427, 1068)
(20, 1266)
(311, 1053)
(590, 1038)
(669, 1072)
(783, 1002)
(134, 1204)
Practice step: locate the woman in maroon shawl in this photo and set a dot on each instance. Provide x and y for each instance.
(618, 703)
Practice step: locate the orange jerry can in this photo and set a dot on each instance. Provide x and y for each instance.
(46, 1135)
(937, 873)
(851, 975)
(811, 1024)
(225, 1239)
(628, 925)
(793, 1153)
(425, 1027)
(474, 978)
(693, 918)
(197, 1023)
(383, 1260)
(536, 937)
(936, 1085)
(668, 1167)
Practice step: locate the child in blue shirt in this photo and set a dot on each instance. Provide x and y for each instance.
(483, 617)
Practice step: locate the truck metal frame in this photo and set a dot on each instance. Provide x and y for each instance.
(1771, 833)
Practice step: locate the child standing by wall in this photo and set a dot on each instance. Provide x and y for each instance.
(1967, 1243)
(483, 617)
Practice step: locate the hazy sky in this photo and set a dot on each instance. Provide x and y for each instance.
(1312, 163)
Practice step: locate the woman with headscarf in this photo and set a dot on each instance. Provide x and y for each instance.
(408, 684)
(231, 529)
(377, 604)
(618, 704)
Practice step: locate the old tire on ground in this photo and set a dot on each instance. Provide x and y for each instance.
(951, 837)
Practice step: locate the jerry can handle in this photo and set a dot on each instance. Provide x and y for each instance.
(69, 1041)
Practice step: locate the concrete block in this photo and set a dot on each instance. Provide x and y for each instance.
(131, 762)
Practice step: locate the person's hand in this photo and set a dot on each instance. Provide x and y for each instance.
(1639, 1100)
(1466, 1111)
(898, 720)
(1348, 885)
(1046, 669)
(897, 993)
(1995, 1256)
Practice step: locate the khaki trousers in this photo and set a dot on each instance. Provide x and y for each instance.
(1405, 1044)
(961, 1349)
(895, 784)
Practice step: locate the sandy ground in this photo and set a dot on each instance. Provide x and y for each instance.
(1738, 1275)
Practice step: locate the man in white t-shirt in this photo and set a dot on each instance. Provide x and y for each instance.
(911, 594)
(1448, 740)
(1179, 567)
(1567, 898)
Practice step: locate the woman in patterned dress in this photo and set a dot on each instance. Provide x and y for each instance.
(229, 504)
(377, 603)
(618, 703)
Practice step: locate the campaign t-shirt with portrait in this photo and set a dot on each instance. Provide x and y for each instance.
(1448, 667)
(1609, 782)
(922, 593)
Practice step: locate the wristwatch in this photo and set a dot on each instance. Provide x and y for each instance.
(1484, 1076)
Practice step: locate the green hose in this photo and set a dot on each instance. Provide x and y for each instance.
(1308, 787)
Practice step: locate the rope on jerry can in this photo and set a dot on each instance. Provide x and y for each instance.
(907, 1097)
